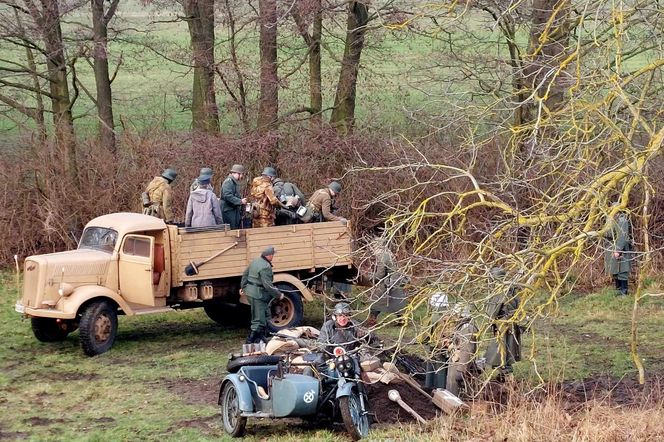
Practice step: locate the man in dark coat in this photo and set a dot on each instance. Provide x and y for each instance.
(231, 200)
(618, 251)
(257, 284)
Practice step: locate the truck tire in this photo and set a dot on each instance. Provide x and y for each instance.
(228, 314)
(98, 327)
(235, 364)
(287, 312)
(49, 330)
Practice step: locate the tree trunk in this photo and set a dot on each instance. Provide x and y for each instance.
(313, 42)
(59, 88)
(550, 29)
(315, 92)
(268, 106)
(343, 114)
(200, 19)
(100, 20)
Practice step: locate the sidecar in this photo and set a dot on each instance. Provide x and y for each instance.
(250, 393)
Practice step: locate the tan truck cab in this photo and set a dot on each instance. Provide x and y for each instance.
(134, 264)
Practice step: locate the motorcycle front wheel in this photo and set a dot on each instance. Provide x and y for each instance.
(355, 420)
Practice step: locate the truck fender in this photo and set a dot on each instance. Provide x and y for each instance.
(80, 295)
(243, 392)
(287, 277)
(345, 388)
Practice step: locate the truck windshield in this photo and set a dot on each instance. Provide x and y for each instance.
(98, 238)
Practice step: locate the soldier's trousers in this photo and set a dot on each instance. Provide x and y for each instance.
(263, 222)
(259, 312)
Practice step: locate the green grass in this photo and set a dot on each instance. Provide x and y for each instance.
(160, 381)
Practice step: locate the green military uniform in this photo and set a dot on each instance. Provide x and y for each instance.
(257, 285)
(619, 240)
(264, 201)
(505, 349)
(161, 197)
(231, 202)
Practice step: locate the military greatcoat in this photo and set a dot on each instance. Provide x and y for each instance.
(257, 284)
(618, 240)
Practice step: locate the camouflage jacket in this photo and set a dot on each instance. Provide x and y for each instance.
(262, 195)
(161, 197)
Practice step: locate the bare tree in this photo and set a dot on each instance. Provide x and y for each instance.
(268, 106)
(343, 113)
(104, 101)
(200, 19)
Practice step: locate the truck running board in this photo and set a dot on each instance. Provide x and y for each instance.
(149, 310)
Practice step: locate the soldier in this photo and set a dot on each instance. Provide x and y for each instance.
(388, 294)
(231, 199)
(257, 284)
(205, 171)
(321, 203)
(617, 254)
(159, 196)
(263, 198)
(290, 196)
(505, 348)
(341, 331)
(203, 206)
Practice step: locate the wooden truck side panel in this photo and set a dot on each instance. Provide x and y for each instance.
(298, 247)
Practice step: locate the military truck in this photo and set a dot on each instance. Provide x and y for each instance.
(134, 264)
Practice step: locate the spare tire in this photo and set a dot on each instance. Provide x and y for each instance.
(235, 364)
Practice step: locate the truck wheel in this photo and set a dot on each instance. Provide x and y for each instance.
(234, 424)
(49, 330)
(99, 326)
(355, 421)
(228, 314)
(288, 312)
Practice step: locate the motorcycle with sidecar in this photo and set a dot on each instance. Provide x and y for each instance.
(272, 387)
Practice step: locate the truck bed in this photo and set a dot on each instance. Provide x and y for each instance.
(298, 247)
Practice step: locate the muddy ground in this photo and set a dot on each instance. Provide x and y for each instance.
(574, 395)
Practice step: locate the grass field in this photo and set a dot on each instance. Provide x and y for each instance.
(160, 381)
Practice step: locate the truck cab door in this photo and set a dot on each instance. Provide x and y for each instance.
(135, 270)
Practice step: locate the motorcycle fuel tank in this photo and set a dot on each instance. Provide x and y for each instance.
(294, 395)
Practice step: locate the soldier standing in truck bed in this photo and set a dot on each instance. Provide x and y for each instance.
(290, 196)
(160, 196)
(263, 198)
(321, 203)
(232, 202)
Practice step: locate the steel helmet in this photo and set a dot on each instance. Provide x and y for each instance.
(269, 171)
(206, 171)
(342, 308)
(170, 174)
(335, 187)
(238, 168)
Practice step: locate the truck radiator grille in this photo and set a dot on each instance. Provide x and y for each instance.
(31, 283)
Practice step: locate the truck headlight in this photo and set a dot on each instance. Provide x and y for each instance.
(65, 289)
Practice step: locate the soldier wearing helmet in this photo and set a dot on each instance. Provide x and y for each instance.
(205, 172)
(321, 204)
(159, 196)
(231, 199)
(342, 331)
(263, 198)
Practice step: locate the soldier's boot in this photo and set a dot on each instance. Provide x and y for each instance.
(252, 338)
(623, 287)
(260, 336)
